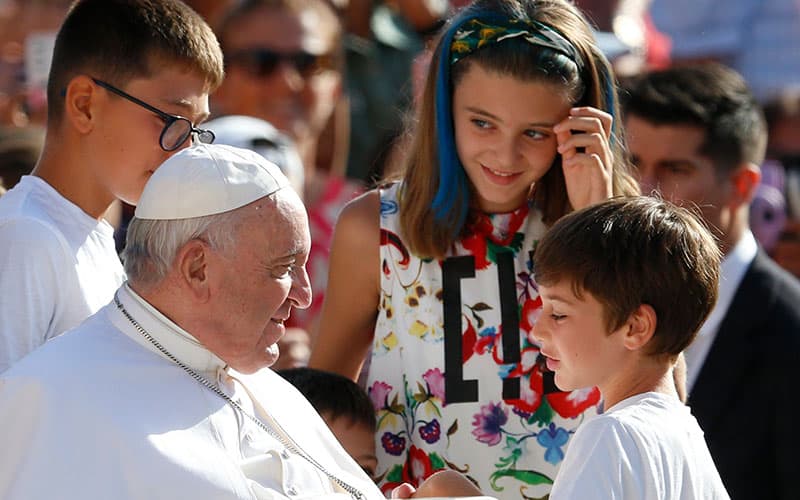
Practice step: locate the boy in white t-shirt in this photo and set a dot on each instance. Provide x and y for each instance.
(128, 83)
(625, 285)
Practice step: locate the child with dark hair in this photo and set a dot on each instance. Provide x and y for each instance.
(625, 285)
(344, 406)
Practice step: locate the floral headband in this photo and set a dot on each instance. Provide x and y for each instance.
(476, 34)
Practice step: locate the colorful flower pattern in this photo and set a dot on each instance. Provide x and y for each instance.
(509, 447)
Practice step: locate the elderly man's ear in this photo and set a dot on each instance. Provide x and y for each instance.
(192, 264)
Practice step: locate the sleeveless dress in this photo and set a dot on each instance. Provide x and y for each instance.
(455, 376)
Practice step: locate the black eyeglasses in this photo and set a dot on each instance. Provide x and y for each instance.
(176, 128)
(262, 62)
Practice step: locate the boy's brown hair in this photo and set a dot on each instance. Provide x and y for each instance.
(119, 40)
(638, 250)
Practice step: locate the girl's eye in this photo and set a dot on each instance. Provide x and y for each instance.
(480, 123)
(535, 134)
(557, 317)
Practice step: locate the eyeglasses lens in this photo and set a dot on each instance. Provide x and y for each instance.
(205, 136)
(175, 134)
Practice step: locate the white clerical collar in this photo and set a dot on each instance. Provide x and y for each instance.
(732, 271)
(172, 337)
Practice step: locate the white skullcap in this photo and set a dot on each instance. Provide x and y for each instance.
(260, 136)
(208, 179)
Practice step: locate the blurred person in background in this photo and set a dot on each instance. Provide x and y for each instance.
(382, 40)
(783, 147)
(759, 39)
(284, 64)
(19, 149)
(27, 33)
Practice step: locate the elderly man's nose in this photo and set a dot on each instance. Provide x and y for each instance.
(300, 294)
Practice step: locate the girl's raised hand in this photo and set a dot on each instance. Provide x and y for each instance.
(583, 141)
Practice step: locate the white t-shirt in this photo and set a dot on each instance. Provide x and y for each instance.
(58, 265)
(648, 446)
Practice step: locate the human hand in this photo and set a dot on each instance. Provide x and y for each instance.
(583, 141)
(445, 483)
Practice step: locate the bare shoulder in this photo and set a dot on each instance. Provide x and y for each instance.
(361, 216)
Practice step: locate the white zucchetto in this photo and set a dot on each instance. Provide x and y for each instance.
(208, 179)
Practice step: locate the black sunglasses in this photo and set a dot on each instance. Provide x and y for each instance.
(176, 128)
(262, 62)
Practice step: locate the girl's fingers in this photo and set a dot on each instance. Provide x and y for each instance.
(606, 120)
(590, 142)
(587, 120)
(593, 161)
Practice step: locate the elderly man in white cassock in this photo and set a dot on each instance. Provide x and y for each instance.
(163, 393)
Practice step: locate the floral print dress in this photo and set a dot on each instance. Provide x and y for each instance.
(455, 377)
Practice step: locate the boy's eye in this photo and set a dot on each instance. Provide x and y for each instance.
(480, 123)
(557, 317)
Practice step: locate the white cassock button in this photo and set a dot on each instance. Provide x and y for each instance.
(291, 490)
(285, 454)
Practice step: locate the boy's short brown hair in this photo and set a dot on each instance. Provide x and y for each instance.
(637, 250)
(118, 40)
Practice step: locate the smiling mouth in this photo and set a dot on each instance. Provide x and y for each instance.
(499, 173)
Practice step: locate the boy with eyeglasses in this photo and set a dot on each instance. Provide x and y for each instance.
(128, 84)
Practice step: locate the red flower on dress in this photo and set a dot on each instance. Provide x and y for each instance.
(418, 466)
(500, 229)
(567, 404)
(475, 243)
(531, 309)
